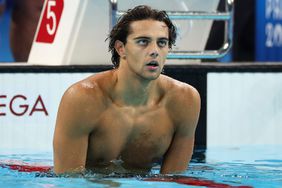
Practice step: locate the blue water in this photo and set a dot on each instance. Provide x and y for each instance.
(244, 166)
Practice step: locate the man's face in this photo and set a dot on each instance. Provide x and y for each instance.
(146, 48)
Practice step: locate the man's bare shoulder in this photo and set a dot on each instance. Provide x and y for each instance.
(177, 90)
(84, 89)
(92, 86)
(89, 94)
(182, 99)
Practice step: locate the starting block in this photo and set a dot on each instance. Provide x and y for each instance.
(71, 32)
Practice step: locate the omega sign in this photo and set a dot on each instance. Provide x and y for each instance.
(19, 105)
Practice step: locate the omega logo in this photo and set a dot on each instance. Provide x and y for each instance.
(18, 106)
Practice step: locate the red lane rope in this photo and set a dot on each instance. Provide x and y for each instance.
(193, 181)
(27, 168)
(176, 179)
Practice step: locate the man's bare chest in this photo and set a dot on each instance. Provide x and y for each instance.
(134, 136)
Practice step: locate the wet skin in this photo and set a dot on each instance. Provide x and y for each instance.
(132, 113)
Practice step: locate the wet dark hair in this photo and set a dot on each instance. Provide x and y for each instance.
(122, 29)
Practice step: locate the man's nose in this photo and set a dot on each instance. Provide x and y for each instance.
(154, 51)
(154, 54)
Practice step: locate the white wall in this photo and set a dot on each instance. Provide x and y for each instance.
(244, 109)
(31, 131)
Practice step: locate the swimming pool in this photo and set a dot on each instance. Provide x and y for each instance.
(254, 166)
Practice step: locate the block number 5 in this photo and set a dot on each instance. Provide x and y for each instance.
(51, 28)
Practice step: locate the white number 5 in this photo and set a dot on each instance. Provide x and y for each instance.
(51, 15)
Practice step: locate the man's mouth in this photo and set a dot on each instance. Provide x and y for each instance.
(153, 64)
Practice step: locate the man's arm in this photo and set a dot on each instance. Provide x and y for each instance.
(187, 111)
(72, 130)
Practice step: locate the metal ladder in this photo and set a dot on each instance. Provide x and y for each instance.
(226, 16)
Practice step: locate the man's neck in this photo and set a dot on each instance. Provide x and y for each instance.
(133, 90)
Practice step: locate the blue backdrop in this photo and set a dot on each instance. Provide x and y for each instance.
(268, 30)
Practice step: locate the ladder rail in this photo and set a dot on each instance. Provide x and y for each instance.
(226, 16)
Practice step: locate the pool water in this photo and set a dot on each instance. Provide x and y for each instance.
(256, 166)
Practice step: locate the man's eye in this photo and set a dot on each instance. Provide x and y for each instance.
(142, 42)
(162, 43)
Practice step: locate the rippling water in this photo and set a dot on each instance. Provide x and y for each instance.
(216, 167)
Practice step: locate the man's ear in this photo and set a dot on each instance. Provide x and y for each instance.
(119, 47)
